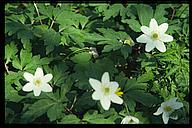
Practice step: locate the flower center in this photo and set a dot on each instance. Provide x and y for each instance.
(37, 82)
(155, 36)
(105, 90)
(118, 92)
(167, 108)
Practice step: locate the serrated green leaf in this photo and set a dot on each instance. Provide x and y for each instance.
(82, 106)
(134, 25)
(160, 13)
(95, 118)
(132, 84)
(130, 103)
(10, 51)
(51, 39)
(112, 11)
(145, 77)
(143, 97)
(145, 13)
(125, 51)
(80, 58)
(25, 57)
(69, 119)
(37, 109)
(55, 112)
(16, 63)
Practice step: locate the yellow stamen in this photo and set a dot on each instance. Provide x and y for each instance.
(118, 92)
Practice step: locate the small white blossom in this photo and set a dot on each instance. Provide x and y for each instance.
(38, 82)
(130, 120)
(93, 51)
(167, 108)
(106, 91)
(154, 36)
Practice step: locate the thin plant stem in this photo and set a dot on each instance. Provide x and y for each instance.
(37, 12)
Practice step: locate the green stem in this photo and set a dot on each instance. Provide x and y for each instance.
(37, 12)
(52, 22)
(126, 108)
(6, 68)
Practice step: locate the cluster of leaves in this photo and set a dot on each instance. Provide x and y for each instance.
(57, 37)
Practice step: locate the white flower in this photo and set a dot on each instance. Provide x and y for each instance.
(93, 51)
(106, 91)
(130, 120)
(167, 108)
(154, 36)
(38, 82)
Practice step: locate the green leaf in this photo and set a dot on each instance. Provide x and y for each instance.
(37, 109)
(145, 77)
(113, 11)
(143, 97)
(51, 39)
(81, 106)
(25, 57)
(16, 63)
(160, 13)
(95, 118)
(132, 84)
(130, 103)
(37, 62)
(69, 119)
(81, 58)
(109, 48)
(125, 51)
(145, 13)
(10, 51)
(133, 24)
(12, 94)
(55, 112)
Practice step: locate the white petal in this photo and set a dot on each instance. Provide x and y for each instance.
(165, 117)
(97, 95)
(153, 24)
(46, 88)
(135, 119)
(105, 103)
(166, 38)
(160, 46)
(105, 78)
(163, 28)
(37, 91)
(146, 30)
(142, 38)
(116, 99)
(159, 111)
(28, 76)
(39, 72)
(28, 87)
(175, 117)
(177, 105)
(47, 77)
(113, 86)
(124, 121)
(149, 46)
(170, 102)
(95, 84)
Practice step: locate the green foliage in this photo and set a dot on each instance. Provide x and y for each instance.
(59, 38)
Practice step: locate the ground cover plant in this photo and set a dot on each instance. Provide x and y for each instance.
(70, 63)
